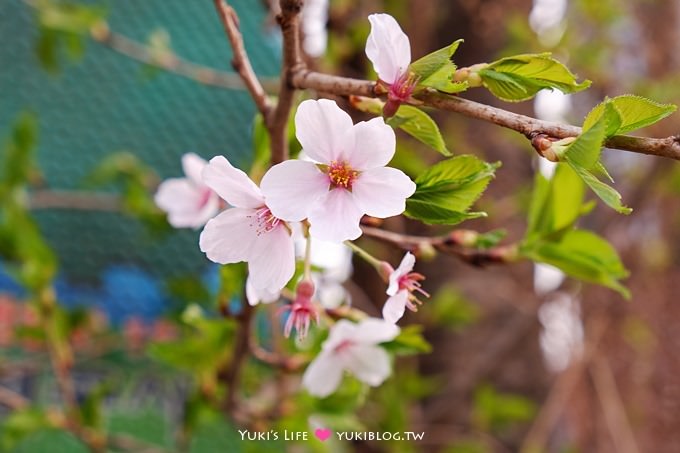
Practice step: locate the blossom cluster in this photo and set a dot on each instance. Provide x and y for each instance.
(323, 198)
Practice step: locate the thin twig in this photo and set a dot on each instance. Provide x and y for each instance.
(289, 21)
(240, 60)
(12, 399)
(528, 126)
(79, 200)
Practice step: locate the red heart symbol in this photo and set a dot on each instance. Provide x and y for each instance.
(322, 434)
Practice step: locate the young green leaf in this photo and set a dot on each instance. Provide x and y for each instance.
(606, 193)
(585, 150)
(446, 191)
(583, 255)
(635, 112)
(520, 77)
(420, 126)
(436, 70)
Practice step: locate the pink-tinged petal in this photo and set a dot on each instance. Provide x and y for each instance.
(232, 184)
(292, 187)
(374, 331)
(255, 296)
(187, 206)
(322, 377)
(369, 363)
(375, 144)
(193, 166)
(229, 237)
(382, 192)
(272, 260)
(323, 129)
(395, 307)
(335, 217)
(341, 331)
(405, 267)
(388, 47)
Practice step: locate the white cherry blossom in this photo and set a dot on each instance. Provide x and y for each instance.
(188, 202)
(402, 283)
(346, 179)
(248, 231)
(354, 348)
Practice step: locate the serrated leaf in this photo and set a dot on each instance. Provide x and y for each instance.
(446, 191)
(520, 77)
(420, 126)
(583, 255)
(635, 112)
(436, 70)
(585, 150)
(606, 193)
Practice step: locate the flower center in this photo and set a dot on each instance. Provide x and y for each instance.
(411, 283)
(341, 175)
(403, 87)
(343, 346)
(264, 220)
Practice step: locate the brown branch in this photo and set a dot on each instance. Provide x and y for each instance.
(240, 60)
(170, 62)
(289, 21)
(342, 86)
(232, 375)
(458, 243)
(12, 399)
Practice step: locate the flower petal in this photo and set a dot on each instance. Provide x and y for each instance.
(405, 267)
(193, 166)
(255, 296)
(369, 363)
(291, 188)
(272, 260)
(382, 192)
(388, 47)
(229, 237)
(374, 331)
(395, 307)
(375, 144)
(341, 331)
(187, 206)
(322, 377)
(323, 129)
(335, 217)
(232, 184)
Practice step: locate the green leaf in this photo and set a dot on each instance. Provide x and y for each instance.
(148, 425)
(520, 77)
(52, 440)
(20, 424)
(446, 191)
(420, 126)
(69, 17)
(583, 255)
(635, 112)
(436, 70)
(585, 150)
(606, 193)
(17, 152)
(409, 341)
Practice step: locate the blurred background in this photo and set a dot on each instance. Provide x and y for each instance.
(522, 359)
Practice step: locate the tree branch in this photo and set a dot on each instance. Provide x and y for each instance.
(240, 60)
(289, 21)
(528, 126)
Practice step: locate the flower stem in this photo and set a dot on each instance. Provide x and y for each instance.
(370, 259)
(308, 257)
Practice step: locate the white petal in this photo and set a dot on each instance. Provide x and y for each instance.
(255, 296)
(331, 294)
(335, 217)
(341, 331)
(369, 363)
(322, 129)
(229, 237)
(387, 47)
(323, 375)
(291, 188)
(193, 166)
(374, 145)
(272, 260)
(187, 206)
(405, 267)
(374, 330)
(232, 184)
(395, 306)
(382, 192)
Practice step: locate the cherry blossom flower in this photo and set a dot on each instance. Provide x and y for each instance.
(188, 202)
(347, 179)
(301, 311)
(354, 348)
(256, 296)
(248, 231)
(389, 50)
(402, 284)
